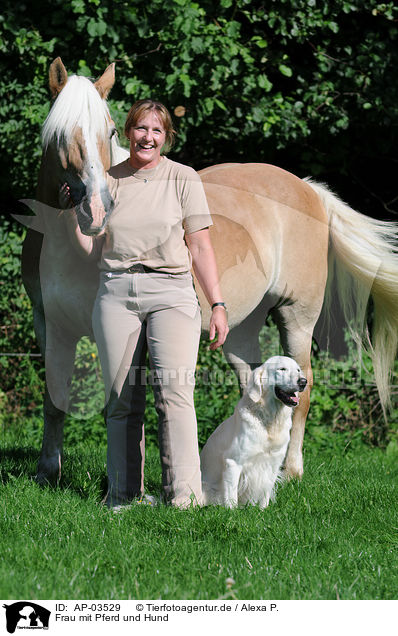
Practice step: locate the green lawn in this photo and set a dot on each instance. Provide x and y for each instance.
(332, 535)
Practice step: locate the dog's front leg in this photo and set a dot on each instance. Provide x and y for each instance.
(263, 501)
(230, 482)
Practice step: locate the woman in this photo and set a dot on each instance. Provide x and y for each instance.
(146, 301)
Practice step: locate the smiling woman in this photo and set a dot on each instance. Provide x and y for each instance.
(149, 129)
(146, 301)
(147, 138)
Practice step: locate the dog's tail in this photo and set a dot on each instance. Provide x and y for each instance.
(363, 258)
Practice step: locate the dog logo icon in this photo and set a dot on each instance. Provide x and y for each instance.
(26, 615)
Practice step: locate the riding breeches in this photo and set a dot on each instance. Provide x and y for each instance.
(156, 312)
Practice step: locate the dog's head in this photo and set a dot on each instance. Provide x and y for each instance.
(280, 375)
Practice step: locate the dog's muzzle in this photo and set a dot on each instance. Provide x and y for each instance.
(291, 398)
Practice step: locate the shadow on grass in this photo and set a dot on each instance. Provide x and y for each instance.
(83, 470)
(19, 462)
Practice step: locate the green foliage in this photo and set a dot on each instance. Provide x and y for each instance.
(85, 420)
(22, 385)
(16, 324)
(23, 99)
(253, 79)
(217, 391)
(345, 406)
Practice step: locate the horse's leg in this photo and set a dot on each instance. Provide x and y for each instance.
(296, 339)
(242, 348)
(59, 366)
(59, 357)
(49, 466)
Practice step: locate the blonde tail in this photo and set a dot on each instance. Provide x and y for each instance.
(364, 259)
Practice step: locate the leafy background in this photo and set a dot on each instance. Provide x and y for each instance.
(310, 86)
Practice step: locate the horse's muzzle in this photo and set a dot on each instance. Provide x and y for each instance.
(91, 223)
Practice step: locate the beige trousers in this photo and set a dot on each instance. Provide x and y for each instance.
(158, 312)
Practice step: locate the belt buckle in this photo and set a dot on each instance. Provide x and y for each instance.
(136, 268)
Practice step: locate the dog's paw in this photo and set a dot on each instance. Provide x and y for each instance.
(231, 505)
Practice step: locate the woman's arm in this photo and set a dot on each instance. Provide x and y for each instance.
(88, 247)
(205, 268)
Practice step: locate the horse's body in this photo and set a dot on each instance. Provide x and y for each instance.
(271, 234)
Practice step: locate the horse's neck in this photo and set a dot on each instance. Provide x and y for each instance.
(47, 190)
(47, 205)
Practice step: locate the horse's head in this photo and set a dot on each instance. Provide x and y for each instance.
(79, 143)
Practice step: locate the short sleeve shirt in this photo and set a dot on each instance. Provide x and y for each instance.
(154, 209)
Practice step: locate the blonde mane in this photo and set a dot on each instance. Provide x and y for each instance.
(78, 104)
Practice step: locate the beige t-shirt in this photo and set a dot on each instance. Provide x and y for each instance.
(154, 208)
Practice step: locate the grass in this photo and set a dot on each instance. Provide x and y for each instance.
(332, 535)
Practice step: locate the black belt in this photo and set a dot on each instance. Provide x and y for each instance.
(139, 268)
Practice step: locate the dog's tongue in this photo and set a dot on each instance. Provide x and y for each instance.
(295, 398)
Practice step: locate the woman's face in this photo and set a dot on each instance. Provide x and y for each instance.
(146, 140)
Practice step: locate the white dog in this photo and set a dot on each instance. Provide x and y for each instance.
(241, 461)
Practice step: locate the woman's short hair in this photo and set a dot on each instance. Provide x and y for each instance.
(143, 106)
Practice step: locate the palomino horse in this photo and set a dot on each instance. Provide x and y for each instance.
(272, 235)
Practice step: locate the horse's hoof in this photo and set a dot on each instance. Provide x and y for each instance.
(44, 479)
(49, 472)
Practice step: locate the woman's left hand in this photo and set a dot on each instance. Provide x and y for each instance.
(218, 326)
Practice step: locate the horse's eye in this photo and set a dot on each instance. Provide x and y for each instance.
(282, 369)
(112, 132)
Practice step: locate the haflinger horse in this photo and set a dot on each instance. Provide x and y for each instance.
(275, 237)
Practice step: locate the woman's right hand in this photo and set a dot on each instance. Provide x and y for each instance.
(65, 197)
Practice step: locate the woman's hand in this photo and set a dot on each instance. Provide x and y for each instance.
(65, 197)
(88, 247)
(219, 326)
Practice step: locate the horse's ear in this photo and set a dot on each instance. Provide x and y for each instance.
(58, 77)
(106, 81)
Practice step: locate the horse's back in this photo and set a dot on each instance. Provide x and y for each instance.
(270, 234)
(266, 181)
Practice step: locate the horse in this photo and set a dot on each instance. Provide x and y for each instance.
(279, 241)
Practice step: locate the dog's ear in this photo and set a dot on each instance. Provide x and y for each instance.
(255, 384)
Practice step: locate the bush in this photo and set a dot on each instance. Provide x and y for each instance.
(345, 401)
(306, 84)
(21, 370)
